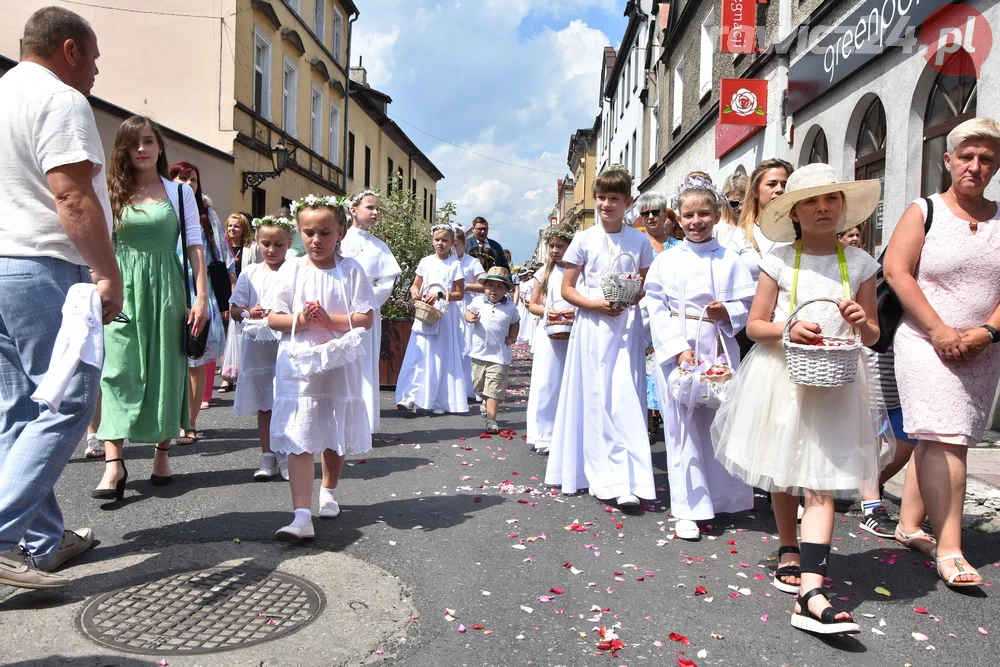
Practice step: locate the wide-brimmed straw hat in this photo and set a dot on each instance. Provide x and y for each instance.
(812, 180)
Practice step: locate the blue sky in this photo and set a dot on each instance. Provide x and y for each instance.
(511, 79)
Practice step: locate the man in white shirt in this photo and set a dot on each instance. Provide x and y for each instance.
(55, 222)
(495, 322)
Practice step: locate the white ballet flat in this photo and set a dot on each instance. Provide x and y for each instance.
(687, 530)
(291, 533)
(329, 510)
(628, 500)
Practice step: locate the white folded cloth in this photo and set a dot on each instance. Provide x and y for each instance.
(80, 338)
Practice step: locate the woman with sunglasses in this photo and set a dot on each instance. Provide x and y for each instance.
(734, 190)
(661, 227)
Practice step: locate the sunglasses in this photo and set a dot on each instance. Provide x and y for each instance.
(652, 214)
(736, 203)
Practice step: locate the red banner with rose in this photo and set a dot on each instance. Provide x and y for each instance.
(743, 102)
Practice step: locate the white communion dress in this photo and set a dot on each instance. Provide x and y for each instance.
(255, 389)
(472, 272)
(547, 364)
(325, 410)
(432, 374)
(683, 280)
(381, 267)
(599, 435)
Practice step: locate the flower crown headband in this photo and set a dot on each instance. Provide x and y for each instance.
(695, 184)
(361, 195)
(556, 232)
(617, 168)
(312, 201)
(442, 227)
(271, 221)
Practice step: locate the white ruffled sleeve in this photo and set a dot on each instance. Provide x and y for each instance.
(280, 296)
(362, 299)
(241, 293)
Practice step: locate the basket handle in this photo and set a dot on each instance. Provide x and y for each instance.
(792, 317)
(614, 262)
(697, 339)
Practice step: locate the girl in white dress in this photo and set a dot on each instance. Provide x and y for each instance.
(472, 273)
(381, 267)
(255, 393)
(599, 436)
(549, 355)
(793, 439)
(318, 301)
(695, 276)
(528, 321)
(432, 376)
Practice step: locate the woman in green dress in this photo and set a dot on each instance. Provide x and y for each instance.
(144, 383)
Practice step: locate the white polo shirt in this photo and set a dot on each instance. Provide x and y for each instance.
(44, 124)
(489, 333)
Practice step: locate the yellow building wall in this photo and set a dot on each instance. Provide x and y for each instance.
(583, 190)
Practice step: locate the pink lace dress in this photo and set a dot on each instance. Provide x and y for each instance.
(959, 273)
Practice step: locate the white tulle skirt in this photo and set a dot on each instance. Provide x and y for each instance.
(779, 436)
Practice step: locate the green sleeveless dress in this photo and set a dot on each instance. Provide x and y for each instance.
(144, 382)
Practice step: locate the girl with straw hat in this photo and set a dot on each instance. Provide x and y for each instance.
(791, 438)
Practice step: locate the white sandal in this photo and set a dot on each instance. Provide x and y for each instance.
(95, 447)
(905, 539)
(959, 571)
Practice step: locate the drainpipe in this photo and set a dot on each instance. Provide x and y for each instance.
(347, 94)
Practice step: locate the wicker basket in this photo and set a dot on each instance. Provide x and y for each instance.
(425, 312)
(558, 329)
(834, 364)
(621, 288)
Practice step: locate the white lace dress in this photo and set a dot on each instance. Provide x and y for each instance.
(255, 389)
(780, 436)
(326, 410)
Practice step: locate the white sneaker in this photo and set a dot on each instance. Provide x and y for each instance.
(482, 409)
(329, 509)
(408, 404)
(266, 470)
(628, 500)
(687, 530)
(293, 532)
(542, 450)
(438, 411)
(283, 466)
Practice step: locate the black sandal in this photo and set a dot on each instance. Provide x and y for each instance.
(188, 439)
(787, 571)
(116, 493)
(161, 480)
(824, 624)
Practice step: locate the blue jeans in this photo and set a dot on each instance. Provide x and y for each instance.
(35, 444)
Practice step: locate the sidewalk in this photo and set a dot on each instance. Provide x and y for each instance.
(984, 460)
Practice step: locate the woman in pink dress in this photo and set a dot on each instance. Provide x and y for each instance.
(948, 282)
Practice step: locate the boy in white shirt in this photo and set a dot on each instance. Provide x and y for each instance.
(495, 325)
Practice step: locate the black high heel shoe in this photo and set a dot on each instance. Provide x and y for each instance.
(116, 493)
(161, 480)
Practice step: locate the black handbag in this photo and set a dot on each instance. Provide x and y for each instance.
(888, 307)
(194, 346)
(218, 279)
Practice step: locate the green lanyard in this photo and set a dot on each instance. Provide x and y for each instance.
(841, 261)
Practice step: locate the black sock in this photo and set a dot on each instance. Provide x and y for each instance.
(815, 558)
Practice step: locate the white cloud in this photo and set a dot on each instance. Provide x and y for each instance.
(464, 72)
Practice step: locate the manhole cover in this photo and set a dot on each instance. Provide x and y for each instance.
(218, 609)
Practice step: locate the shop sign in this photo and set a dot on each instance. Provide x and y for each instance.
(743, 102)
(738, 26)
(872, 29)
(729, 137)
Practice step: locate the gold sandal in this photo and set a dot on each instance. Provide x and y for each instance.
(959, 571)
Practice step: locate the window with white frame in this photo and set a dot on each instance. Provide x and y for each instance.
(626, 89)
(635, 151)
(338, 34)
(678, 95)
(261, 74)
(289, 91)
(319, 20)
(334, 134)
(654, 130)
(316, 120)
(707, 49)
(636, 69)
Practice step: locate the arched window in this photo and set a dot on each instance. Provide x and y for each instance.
(869, 162)
(952, 102)
(819, 151)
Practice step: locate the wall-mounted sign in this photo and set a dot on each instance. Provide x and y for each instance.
(743, 102)
(738, 26)
(729, 137)
(872, 29)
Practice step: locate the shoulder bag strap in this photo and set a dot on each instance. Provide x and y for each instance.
(930, 215)
(184, 255)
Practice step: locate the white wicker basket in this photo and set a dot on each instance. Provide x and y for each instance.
(621, 288)
(833, 364)
(425, 312)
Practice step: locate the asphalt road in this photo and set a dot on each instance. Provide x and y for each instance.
(466, 525)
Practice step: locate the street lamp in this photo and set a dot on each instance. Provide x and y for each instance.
(279, 160)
